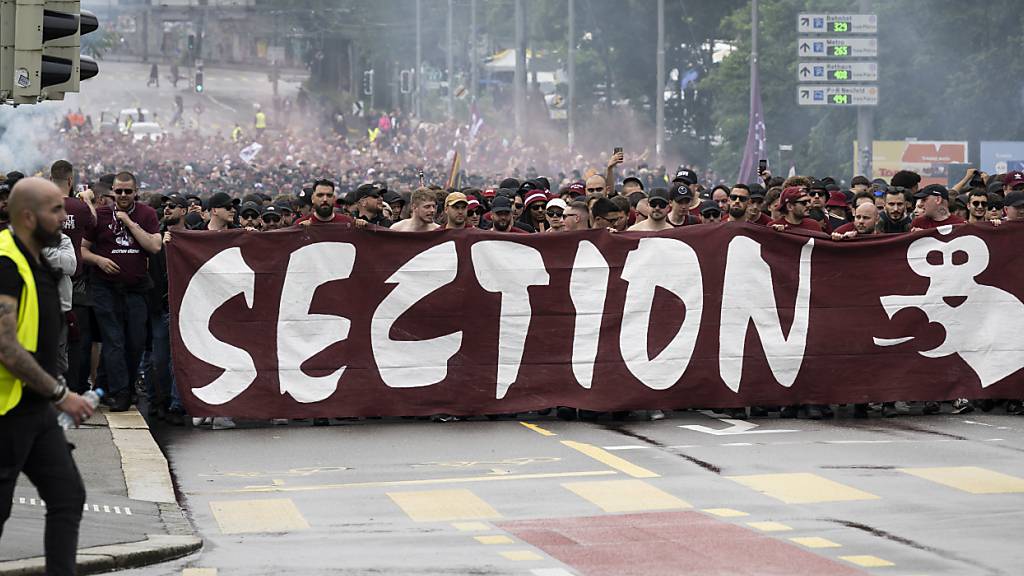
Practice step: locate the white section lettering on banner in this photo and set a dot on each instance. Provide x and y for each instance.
(415, 363)
(981, 322)
(588, 288)
(509, 268)
(748, 297)
(301, 335)
(220, 279)
(672, 265)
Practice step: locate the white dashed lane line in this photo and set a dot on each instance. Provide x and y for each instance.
(99, 508)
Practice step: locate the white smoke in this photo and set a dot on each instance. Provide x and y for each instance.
(27, 142)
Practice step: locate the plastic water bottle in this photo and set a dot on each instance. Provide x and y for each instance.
(92, 397)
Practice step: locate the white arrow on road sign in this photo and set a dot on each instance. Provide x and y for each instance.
(736, 427)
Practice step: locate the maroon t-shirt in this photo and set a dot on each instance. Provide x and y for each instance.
(338, 219)
(926, 223)
(762, 219)
(111, 239)
(78, 223)
(805, 224)
(849, 227)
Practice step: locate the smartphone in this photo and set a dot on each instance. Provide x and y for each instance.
(762, 165)
(618, 150)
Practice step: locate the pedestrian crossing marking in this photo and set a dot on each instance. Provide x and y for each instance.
(443, 505)
(199, 572)
(801, 488)
(521, 555)
(815, 542)
(609, 459)
(494, 539)
(470, 526)
(725, 512)
(769, 526)
(970, 479)
(867, 561)
(253, 516)
(626, 496)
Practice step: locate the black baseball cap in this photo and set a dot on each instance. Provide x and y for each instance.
(501, 204)
(222, 200)
(709, 206)
(366, 191)
(633, 179)
(249, 208)
(177, 200)
(1014, 198)
(659, 193)
(686, 176)
(933, 190)
(680, 192)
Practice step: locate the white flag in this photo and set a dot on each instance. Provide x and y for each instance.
(249, 152)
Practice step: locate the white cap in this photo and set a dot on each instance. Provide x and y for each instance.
(557, 203)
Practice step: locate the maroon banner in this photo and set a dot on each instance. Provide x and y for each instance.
(331, 321)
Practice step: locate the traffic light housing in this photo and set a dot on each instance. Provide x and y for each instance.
(199, 81)
(39, 49)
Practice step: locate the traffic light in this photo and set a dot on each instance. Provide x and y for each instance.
(406, 78)
(199, 81)
(39, 49)
(368, 82)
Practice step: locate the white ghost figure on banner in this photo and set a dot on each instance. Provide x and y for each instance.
(982, 323)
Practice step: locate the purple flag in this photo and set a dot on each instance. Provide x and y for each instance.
(755, 148)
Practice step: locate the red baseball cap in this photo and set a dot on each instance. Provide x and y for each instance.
(792, 193)
(837, 200)
(1013, 179)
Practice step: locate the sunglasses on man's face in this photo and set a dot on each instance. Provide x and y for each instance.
(554, 214)
(802, 202)
(818, 193)
(123, 191)
(658, 203)
(739, 197)
(518, 206)
(271, 219)
(979, 204)
(537, 207)
(598, 189)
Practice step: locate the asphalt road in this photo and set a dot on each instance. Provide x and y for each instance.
(902, 496)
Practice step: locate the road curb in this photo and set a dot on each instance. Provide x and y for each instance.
(148, 478)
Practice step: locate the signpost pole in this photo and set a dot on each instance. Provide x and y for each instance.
(865, 123)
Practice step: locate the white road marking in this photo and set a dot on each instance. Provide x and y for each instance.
(735, 427)
(625, 447)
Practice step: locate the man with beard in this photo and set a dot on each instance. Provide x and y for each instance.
(894, 219)
(501, 216)
(577, 217)
(31, 389)
(793, 204)
(249, 215)
(163, 397)
(865, 220)
(738, 203)
(323, 200)
(818, 194)
(368, 206)
(657, 218)
(455, 210)
(423, 206)
(118, 247)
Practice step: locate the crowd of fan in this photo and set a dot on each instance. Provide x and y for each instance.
(117, 313)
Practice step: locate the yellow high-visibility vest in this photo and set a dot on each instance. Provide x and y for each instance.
(28, 320)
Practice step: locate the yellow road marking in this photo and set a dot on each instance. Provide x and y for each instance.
(867, 561)
(496, 539)
(276, 482)
(815, 542)
(538, 429)
(521, 555)
(725, 512)
(609, 459)
(443, 505)
(199, 572)
(801, 488)
(389, 483)
(247, 516)
(626, 496)
(970, 479)
(769, 526)
(470, 526)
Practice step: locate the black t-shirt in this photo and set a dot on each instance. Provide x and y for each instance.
(49, 319)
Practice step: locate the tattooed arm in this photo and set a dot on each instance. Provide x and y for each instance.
(13, 355)
(24, 367)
